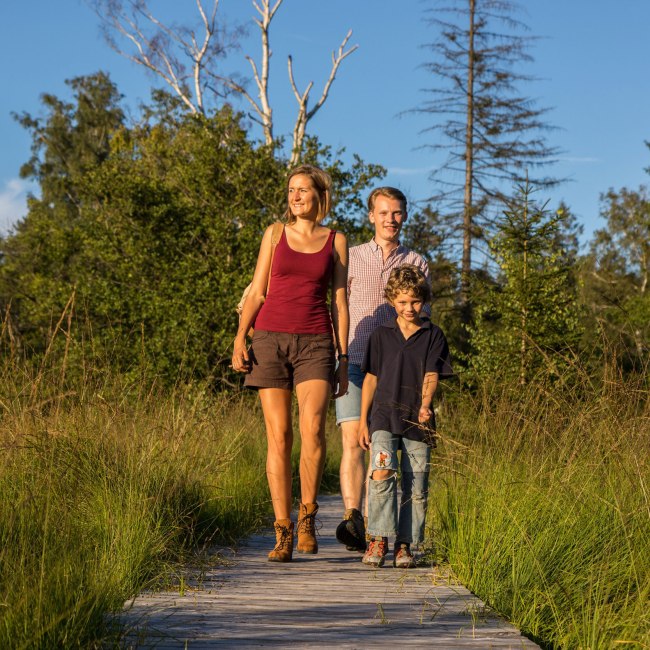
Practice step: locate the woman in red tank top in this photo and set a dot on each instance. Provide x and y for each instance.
(296, 340)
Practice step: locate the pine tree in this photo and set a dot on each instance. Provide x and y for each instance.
(491, 133)
(530, 314)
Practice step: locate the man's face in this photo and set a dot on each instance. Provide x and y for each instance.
(387, 216)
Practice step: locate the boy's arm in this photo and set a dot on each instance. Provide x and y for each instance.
(367, 395)
(429, 386)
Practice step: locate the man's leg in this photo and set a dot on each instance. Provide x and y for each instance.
(353, 469)
(351, 530)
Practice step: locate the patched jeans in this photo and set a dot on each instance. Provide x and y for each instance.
(383, 517)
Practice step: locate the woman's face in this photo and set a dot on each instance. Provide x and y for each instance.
(303, 197)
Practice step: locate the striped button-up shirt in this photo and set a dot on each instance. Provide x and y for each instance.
(368, 274)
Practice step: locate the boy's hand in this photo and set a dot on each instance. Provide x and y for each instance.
(364, 436)
(424, 414)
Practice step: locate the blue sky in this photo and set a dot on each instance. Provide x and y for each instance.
(591, 63)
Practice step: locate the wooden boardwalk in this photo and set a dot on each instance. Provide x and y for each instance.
(329, 600)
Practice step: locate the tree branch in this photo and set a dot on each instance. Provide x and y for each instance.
(264, 109)
(304, 115)
(155, 51)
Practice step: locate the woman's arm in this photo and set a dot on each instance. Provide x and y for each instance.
(253, 303)
(367, 395)
(340, 312)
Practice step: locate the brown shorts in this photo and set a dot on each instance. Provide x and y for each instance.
(282, 360)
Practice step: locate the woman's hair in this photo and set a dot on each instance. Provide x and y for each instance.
(409, 279)
(322, 184)
(389, 193)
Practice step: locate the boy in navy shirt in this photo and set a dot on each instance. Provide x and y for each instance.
(404, 360)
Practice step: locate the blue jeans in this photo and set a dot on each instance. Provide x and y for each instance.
(383, 517)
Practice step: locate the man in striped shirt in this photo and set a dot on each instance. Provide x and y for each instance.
(369, 267)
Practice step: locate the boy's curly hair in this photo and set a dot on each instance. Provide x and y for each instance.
(409, 279)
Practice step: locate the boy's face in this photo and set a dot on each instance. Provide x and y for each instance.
(387, 217)
(407, 306)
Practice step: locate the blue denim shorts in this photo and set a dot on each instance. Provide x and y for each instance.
(348, 406)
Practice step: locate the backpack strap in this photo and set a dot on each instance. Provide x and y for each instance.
(276, 233)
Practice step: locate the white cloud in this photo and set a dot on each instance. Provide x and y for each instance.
(409, 171)
(579, 159)
(13, 203)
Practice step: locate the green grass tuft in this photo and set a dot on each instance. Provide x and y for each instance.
(542, 508)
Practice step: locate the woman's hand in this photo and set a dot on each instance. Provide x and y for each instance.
(341, 379)
(240, 360)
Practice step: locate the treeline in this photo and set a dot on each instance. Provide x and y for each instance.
(143, 236)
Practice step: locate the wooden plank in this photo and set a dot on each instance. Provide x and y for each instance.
(317, 601)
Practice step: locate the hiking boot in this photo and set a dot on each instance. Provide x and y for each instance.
(376, 553)
(403, 558)
(283, 541)
(307, 528)
(351, 531)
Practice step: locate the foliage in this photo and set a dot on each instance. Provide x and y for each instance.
(67, 145)
(528, 318)
(105, 490)
(425, 233)
(154, 242)
(616, 273)
(145, 236)
(350, 185)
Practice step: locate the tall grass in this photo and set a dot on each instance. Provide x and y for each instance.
(541, 497)
(106, 484)
(543, 507)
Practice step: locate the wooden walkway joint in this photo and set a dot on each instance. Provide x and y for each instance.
(328, 600)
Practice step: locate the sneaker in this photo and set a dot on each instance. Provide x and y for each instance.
(376, 553)
(403, 557)
(351, 531)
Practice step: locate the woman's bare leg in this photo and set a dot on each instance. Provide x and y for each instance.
(276, 405)
(313, 398)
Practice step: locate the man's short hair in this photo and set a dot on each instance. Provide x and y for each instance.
(409, 279)
(388, 192)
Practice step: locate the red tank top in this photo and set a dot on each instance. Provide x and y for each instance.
(297, 298)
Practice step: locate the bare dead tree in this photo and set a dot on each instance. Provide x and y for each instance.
(305, 114)
(262, 107)
(493, 134)
(181, 56)
(186, 60)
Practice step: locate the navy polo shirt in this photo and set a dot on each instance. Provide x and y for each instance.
(400, 365)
